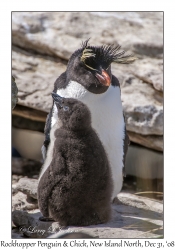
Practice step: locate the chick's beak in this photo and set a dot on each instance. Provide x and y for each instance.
(103, 78)
(57, 99)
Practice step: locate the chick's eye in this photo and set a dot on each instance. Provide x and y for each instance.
(66, 108)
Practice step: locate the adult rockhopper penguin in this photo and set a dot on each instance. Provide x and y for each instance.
(88, 78)
(76, 188)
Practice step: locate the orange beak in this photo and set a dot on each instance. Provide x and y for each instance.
(104, 78)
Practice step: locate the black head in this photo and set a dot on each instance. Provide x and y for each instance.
(73, 113)
(91, 65)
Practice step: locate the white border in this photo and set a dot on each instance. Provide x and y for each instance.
(5, 98)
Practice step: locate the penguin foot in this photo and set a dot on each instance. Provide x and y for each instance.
(42, 218)
(93, 220)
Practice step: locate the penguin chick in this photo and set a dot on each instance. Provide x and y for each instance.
(76, 188)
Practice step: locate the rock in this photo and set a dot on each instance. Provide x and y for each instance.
(21, 166)
(134, 217)
(15, 178)
(142, 103)
(152, 77)
(60, 33)
(30, 225)
(142, 203)
(20, 218)
(144, 163)
(28, 113)
(21, 201)
(150, 141)
(16, 234)
(28, 186)
(14, 93)
(150, 71)
(36, 76)
(151, 49)
(28, 143)
(75, 235)
(14, 191)
(143, 108)
(19, 122)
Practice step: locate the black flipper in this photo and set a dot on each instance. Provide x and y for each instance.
(125, 148)
(47, 134)
(126, 140)
(59, 83)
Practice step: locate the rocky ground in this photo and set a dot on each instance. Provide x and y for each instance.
(132, 217)
(42, 43)
(133, 214)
